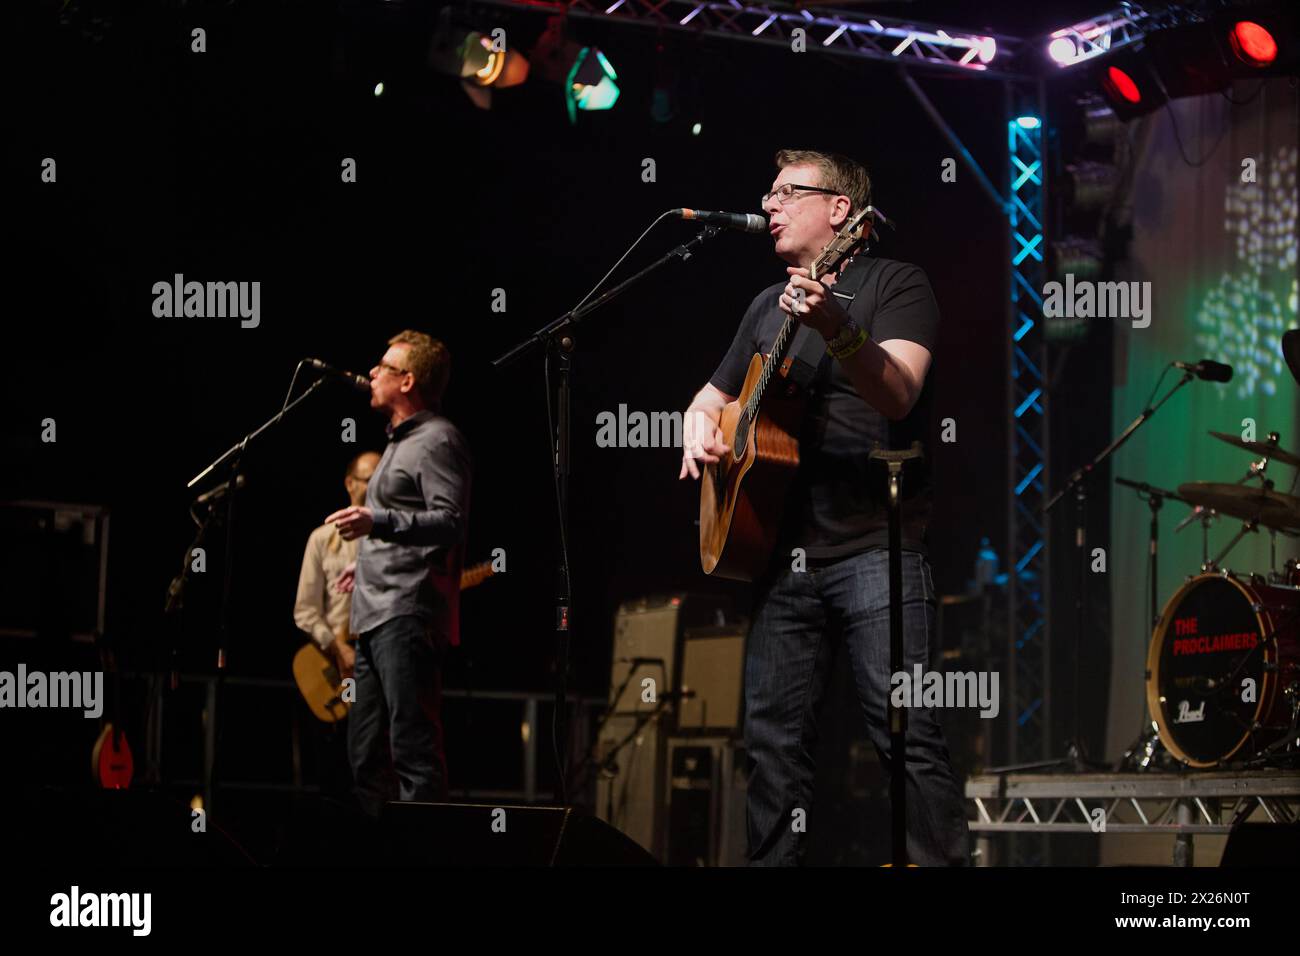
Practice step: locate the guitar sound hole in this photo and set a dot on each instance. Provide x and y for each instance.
(742, 438)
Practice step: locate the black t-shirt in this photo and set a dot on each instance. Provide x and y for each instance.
(838, 502)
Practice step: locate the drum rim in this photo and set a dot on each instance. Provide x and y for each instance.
(1153, 670)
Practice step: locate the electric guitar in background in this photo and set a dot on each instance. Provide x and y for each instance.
(743, 494)
(318, 676)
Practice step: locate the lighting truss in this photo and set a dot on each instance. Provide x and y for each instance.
(1027, 434)
(1112, 30)
(840, 32)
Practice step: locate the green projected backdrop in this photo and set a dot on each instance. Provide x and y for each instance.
(1220, 253)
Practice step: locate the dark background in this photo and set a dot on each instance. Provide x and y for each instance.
(225, 166)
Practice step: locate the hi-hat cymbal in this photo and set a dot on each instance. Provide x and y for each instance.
(1272, 509)
(1261, 448)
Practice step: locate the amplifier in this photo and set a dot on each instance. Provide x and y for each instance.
(646, 665)
(713, 670)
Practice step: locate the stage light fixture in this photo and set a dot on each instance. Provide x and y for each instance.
(1261, 41)
(1063, 50)
(1252, 43)
(478, 59)
(1100, 125)
(1122, 85)
(1091, 183)
(591, 85)
(1130, 83)
(1082, 258)
(1028, 122)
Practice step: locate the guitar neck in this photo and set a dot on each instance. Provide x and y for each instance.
(472, 577)
(785, 335)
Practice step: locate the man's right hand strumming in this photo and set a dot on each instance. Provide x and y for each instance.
(702, 439)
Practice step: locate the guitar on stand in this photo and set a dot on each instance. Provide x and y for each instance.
(317, 675)
(743, 494)
(110, 760)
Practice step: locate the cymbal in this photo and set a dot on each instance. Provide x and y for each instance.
(1272, 509)
(1291, 351)
(1261, 448)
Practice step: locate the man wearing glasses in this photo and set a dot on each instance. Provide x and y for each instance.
(879, 321)
(405, 582)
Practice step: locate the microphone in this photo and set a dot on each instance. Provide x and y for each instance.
(359, 382)
(220, 491)
(1206, 370)
(744, 221)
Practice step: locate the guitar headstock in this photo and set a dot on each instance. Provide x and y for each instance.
(851, 235)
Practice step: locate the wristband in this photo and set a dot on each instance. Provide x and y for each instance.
(848, 340)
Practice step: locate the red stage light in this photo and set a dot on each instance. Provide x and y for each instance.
(1253, 44)
(1123, 85)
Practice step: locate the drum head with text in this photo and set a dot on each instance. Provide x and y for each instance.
(1206, 670)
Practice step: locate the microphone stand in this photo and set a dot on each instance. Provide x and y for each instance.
(1140, 753)
(557, 340)
(231, 458)
(1076, 753)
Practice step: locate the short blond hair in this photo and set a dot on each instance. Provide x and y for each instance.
(429, 361)
(844, 175)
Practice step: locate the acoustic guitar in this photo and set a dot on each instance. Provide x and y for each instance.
(318, 676)
(743, 494)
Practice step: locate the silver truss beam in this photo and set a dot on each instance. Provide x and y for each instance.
(1110, 31)
(848, 33)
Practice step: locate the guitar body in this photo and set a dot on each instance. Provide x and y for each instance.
(318, 677)
(111, 761)
(319, 683)
(742, 493)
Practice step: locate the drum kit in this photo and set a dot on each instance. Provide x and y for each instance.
(1223, 667)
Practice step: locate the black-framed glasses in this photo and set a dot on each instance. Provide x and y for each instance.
(786, 192)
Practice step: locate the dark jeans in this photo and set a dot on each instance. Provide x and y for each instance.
(394, 726)
(799, 618)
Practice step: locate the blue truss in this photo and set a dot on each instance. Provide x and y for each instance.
(1027, 405)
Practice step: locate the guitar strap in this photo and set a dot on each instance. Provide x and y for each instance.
(807, 357)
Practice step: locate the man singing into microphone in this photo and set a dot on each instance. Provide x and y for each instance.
(405, 582)
(879, 321)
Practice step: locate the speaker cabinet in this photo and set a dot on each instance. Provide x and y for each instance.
(706, 802)
(644, 674)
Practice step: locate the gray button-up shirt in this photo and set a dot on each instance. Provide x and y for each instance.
(411, 561)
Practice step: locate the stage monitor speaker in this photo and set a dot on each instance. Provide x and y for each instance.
(463, 834)
(1262, 844)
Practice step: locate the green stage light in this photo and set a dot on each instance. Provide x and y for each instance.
(591, 84)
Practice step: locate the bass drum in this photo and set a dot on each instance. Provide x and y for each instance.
(1215, 640)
